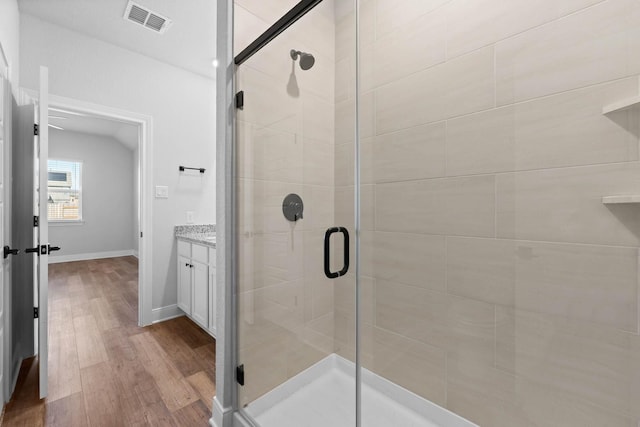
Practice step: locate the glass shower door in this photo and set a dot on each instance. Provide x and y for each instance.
(296, 289)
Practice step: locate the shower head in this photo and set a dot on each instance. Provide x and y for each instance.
(306, 59)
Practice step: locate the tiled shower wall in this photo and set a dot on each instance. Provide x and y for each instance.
(285, 143)
(496, 283)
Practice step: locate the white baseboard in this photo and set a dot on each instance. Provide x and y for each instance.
(136, 254)
(165, 313)
(96, 255)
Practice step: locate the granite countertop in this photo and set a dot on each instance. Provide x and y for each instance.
(202, 234)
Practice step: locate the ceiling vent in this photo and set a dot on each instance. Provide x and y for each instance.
(145, 17)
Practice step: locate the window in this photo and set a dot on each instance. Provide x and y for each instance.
(64, 186)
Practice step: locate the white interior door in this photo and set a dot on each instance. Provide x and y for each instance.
(43, 231)
(5, 264)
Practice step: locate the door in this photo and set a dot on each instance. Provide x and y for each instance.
(5, 264)
(200, 281)
(296, 295)
(30, 235)
(23, 237)
(42, 284)
(184, 284)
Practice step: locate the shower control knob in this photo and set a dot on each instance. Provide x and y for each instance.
(292, 207)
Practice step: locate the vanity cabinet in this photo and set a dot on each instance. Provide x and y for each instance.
(196, 283)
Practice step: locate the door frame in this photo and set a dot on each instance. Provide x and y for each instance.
(9, 378)
(145, 199)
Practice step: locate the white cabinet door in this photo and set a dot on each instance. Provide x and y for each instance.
(184, 284)
(200, 279)
(212, 300)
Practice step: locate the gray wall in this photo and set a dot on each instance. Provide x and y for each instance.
(107, 194)
(136, 199)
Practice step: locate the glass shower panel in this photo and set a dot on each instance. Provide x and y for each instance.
(500, 229)
(290, 336)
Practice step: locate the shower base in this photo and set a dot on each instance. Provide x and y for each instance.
(324, 395)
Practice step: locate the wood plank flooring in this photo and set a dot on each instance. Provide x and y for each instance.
(104, 370)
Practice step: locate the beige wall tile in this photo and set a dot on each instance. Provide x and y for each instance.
(346, 348)
(345, 207)
(317, 118)
(391, 14)
(482, 269)
(268, 367)
(345, 122)
(247, 26)
(598, 284)
(267, 103)
(260, 206)
(457, 206)
(269, 154)
(345, 36)
(564, 205)
(491, 397)
(345, 301)
(270, 259)
(463, 327)
(589, 47)
(304, 354)
(562, 130)
(269, 11)
(396, 55)
(475, 24)
(318, 207)
(410, 364)
(410, 154)
(462, 86)
(319, 333)
(345, 119)
(345, 163)
(317, 31)
(318, 166)
(412, 259)
(579, 360)
(345, 79)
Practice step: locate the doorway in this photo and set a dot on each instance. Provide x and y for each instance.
(133, 132)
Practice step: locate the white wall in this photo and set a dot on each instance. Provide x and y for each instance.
(183, 108)
(107, 194)
(9, 34)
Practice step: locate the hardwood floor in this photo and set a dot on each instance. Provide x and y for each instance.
(104, 370)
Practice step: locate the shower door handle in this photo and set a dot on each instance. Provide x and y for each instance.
(327, 252)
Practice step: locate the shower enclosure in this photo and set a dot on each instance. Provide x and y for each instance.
(461, 246)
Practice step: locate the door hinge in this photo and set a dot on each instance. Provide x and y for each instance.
(36, 220)
(36, 312)
(240, 100)
(36, 129)
(141, 234)
(240, 374)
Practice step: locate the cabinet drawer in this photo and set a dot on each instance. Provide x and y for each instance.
(212, 257)
(200, 253)
(184, 248)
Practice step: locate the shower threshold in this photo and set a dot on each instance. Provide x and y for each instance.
(324, 395)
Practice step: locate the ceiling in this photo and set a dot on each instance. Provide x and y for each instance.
(189, 43)
(125, 133)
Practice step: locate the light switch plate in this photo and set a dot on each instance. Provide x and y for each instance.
(162, 192)
(189, 217)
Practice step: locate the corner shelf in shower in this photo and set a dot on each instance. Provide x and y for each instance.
(620, 200)
(624, 104)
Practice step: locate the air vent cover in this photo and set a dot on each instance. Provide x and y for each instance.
(145, 17)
